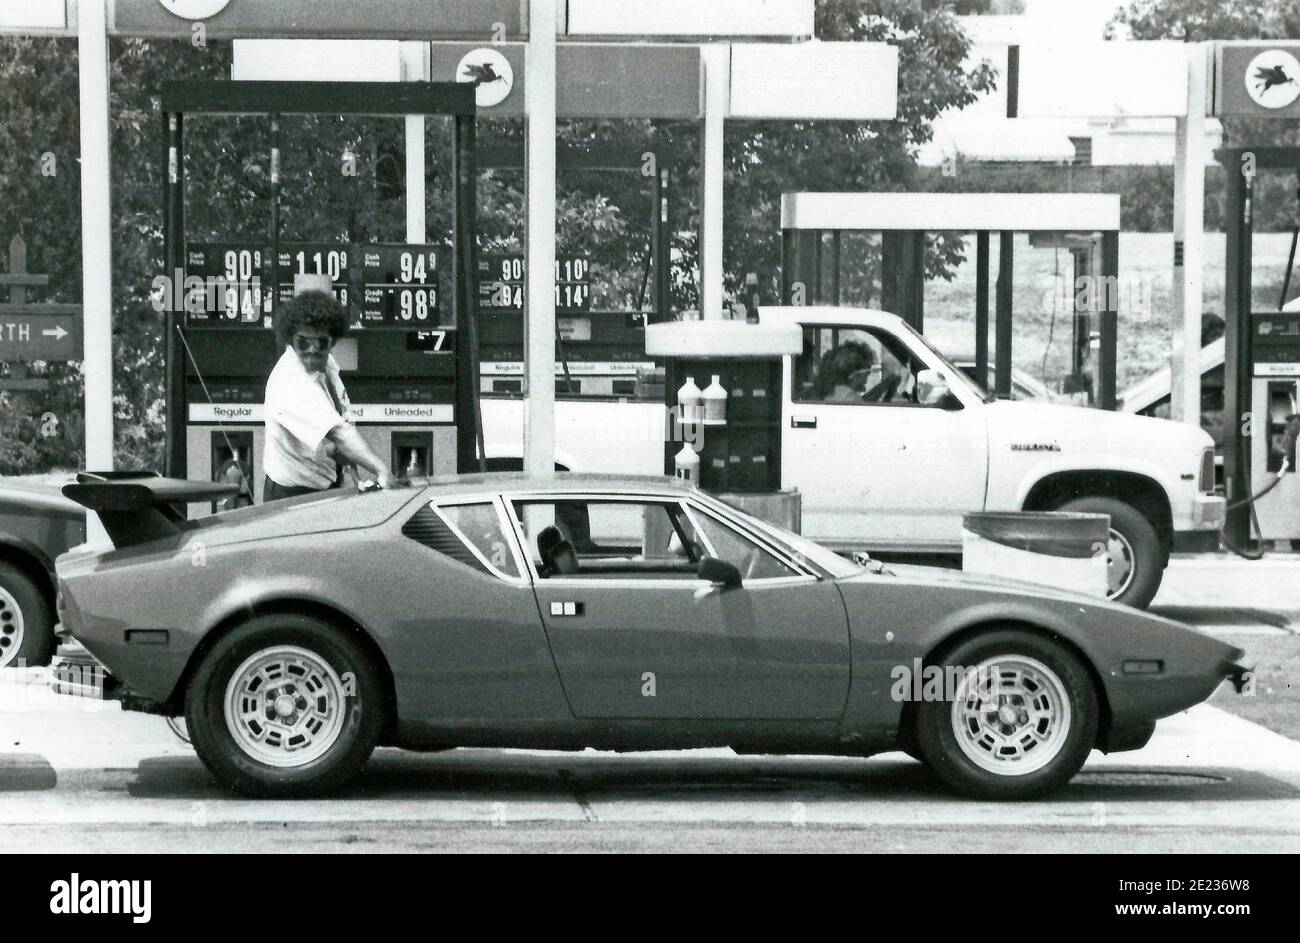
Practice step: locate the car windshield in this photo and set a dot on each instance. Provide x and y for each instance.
(816, 554)
(956, 375)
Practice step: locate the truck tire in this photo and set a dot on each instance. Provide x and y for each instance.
(1138, 556)
(285, 705)
(26, 622)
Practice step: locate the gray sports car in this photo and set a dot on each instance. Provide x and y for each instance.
(578, 611)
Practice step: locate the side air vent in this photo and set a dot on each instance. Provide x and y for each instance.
(426, 527)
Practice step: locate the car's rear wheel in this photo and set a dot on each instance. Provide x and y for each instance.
(26, 623)
(1018, 721)
(1137, 555)
(285, 705)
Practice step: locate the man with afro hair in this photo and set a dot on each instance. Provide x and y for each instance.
(308, 437)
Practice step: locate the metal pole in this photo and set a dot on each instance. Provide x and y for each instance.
(470, 450)
(1002, 326)
(415, 68)
(539, 177)
(1193, 207)
(1109, 318)
(174, 457)
(663, 307)
(1237, 360)
(717, 66)
(982, 308)
(96, 237)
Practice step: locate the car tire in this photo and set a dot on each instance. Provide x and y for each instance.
(285, 706)
(1134, 535)
(26, 622)
(988, 755)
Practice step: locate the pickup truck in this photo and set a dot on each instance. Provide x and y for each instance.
(892, 468)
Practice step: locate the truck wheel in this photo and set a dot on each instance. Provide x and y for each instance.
(285, 705)
(1137, 555)
(1019, 721)
(26, 623)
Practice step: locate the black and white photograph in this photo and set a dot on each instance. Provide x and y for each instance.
(651, 427)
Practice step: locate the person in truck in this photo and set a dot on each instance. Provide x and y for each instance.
(308, 438)
(844, 373)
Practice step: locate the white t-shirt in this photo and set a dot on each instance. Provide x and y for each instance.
(299, 415)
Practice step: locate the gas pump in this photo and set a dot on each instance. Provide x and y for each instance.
(1262, 369)
(409, 345)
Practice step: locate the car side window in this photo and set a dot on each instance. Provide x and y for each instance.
(849, 366)
(731, 546)
(479, 527)
(599, 538)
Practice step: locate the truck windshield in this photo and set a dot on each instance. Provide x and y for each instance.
(956, 376)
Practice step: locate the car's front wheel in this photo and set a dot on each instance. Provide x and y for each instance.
(285, 705)
(1017, 719)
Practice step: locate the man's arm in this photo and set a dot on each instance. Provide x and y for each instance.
(354, 451)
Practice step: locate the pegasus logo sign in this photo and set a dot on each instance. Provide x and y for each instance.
(1273, 79)
(490, 73)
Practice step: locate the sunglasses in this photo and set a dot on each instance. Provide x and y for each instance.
(312, 344)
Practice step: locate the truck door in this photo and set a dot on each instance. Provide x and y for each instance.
(872, 464)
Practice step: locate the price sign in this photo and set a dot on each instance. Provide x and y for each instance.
(311, 258)
(225, 285)
(399, 285)
(501, 283)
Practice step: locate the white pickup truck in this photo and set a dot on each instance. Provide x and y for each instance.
(891, 465)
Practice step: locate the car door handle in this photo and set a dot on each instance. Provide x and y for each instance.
(803, 422)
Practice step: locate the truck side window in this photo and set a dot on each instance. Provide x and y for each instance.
(855, 366)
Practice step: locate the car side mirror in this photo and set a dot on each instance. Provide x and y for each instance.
(932, 390)
(719, 574)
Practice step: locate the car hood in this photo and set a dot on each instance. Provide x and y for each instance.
(943, 577)
(1033, 426)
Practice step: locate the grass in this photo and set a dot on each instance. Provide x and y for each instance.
(1276, 701)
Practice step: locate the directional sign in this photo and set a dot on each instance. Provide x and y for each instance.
(49, 337)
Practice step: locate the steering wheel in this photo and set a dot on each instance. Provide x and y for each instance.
(883, 392)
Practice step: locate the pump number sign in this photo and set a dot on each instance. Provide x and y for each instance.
(399, 286)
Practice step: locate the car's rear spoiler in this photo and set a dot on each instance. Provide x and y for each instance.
(139, 506)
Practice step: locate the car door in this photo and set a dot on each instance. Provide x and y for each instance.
(872, 464)
(636, 635)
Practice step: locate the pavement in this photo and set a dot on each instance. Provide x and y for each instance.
(80, 776)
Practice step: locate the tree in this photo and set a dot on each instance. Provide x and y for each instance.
(1200, 20)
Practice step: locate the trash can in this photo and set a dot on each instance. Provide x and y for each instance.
(1059, 549)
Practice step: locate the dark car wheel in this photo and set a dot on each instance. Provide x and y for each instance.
(285, 705)
(1137, 554)
(26, 623)
(1019, 722)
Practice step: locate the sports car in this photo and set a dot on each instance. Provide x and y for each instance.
(571, 611)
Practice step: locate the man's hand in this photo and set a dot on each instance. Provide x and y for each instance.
(384, 479)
